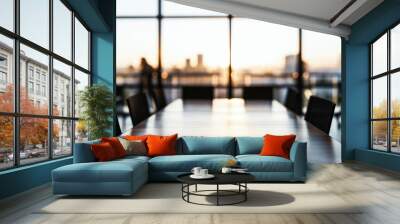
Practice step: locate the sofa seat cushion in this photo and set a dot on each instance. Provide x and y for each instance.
(113, 171)
(257, 163)
(185, 163)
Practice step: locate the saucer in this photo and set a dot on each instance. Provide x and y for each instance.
(208, 176)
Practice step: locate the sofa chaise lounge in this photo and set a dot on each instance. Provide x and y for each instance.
(125, 176)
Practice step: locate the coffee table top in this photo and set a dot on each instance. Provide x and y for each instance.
(220, 178)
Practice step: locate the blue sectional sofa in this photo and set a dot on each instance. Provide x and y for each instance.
(125, 176)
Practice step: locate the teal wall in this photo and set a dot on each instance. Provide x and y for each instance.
(24, 178)
(355, 70)
(103, 51)
(99, 15)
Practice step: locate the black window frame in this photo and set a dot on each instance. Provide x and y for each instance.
(16, 115)
(388, 74)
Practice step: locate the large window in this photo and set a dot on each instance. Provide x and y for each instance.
(192, 46)
(385, 97)
(40, 80)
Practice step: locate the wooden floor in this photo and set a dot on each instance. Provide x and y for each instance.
(379, 189)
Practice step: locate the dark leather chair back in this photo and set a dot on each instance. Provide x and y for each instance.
(198, 92)
(320, 113)
(293, 101)
(258, 93)
(118, 130)
(159, 98)
(138, 108)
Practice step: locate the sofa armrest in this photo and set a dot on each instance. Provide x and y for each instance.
(298, 155)
(83, 152)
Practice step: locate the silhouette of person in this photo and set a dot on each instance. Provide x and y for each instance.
(146, 76)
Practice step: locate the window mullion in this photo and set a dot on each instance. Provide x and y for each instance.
(16, 84)
(73, 82)
(50, 81)
(389, 106)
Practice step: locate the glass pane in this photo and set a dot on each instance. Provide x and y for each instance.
(6, 74)
(81, 81)
(62, 89)
(191, 55)
(81, 45)
(321, 52)
(62, 29)
(6, 142)
(379, 55)
(34, 96)
(62, 138)
(395, 47)
(263, 53)
(176, 9)
(379, 98)
(395, 136)
(81, 131)
(7, 14)
(379, 135)
(136, 39)
(322, 64)
(395, 95)
(35, 21)
(137, 8)
(33, 139)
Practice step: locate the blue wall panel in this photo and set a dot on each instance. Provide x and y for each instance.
(355, 135)
(24, 178)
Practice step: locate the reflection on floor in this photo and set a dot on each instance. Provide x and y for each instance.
(377, 189)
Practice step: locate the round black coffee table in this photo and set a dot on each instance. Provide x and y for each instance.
(238, 179)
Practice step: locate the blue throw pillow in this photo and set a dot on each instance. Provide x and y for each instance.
(249, 145)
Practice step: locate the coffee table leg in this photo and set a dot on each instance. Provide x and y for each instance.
(245, 193)
(217, 194)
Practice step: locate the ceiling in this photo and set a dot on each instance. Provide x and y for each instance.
(326, 16)
(321, 9)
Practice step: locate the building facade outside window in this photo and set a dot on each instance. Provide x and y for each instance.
(45, 131)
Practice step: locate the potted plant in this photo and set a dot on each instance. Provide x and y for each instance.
(96, 105)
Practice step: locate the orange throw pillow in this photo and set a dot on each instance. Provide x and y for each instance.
(116, 145)
(277, 145)
(103, 152)
(161, 145)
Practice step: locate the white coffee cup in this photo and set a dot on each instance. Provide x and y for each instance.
(226, 170)
(196, 171)
(203, 172)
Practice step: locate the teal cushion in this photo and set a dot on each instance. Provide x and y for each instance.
(195, 145)
(111, 171)
(249, 145)
(257, 163)
(185, 163)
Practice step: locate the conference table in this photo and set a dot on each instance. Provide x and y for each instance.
(237, 117)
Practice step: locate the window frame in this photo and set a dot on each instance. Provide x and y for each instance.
(16, 115)
(388, 74)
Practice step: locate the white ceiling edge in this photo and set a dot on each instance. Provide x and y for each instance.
(278, 17)
(362, 11)
(268, 15)
(348, 12)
